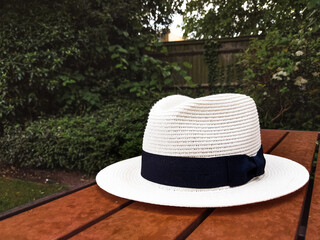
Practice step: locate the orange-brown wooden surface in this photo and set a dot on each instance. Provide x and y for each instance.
(298, 146)
(275, 219)
(143, 221)
(146, 221)
(313, 229)
(59, 217)
(270, 137)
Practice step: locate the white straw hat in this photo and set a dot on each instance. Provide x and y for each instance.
(203, 152)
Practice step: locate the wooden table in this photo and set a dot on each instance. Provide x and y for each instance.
(90, 213)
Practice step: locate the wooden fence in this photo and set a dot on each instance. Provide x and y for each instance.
(192, 51)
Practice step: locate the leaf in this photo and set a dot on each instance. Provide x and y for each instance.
(284, 90)
(134, 89)
(99, 49)
(124, 61)
(153, 82)
(158, 44)
(164, 50)
(177, 68)
(125, 33)
(187, 64)
(113, 47)
(187, 78)
(115, 55)
(166, 74)
(122, 50)
(167, 81)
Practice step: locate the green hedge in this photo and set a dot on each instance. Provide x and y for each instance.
(87, 143)
(282, 74)
(67, 56)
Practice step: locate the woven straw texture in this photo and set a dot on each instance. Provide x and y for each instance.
(212, 126)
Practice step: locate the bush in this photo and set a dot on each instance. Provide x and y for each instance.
(48, 59)
(66, 56)
(283, 76)
(86, 143)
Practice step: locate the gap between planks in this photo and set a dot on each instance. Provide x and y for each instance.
(95, 221)
(20, 209)
(303, 222)
(185, 233)
(278, 142)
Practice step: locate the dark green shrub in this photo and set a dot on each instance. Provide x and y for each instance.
(43, 47)
(282, 74)
(65, 56)
(86, 143)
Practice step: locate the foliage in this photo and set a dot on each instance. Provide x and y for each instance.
(283, 76)
(221, 77)
(220, 18)
(87, 143)
(211, 58)
(65, 56)
(312, 20)
(151, 83)
(41, 54)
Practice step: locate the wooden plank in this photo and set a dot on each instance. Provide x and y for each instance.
(60, 217)
(144, 221)
(270, 138)
(313, 228)
(275, 219)
(44, 200)
(298, 146)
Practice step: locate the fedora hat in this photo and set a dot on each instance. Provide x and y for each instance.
(203, 152)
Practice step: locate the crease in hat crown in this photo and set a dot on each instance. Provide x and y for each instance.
(212, 126)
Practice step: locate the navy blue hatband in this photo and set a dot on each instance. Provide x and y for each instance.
(214, 172)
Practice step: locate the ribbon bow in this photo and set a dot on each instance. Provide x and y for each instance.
(242, 168)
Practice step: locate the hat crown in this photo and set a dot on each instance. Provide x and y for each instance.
(211, 126)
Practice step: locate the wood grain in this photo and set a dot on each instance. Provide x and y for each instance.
(59, 217)
(313, 228)
(269, 138)
(143, 221)
(275, 219)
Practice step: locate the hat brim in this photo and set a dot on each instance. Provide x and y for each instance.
(282, 176)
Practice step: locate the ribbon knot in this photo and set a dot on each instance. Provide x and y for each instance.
(242, 168)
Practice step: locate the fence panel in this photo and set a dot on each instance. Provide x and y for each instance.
(192, 51)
